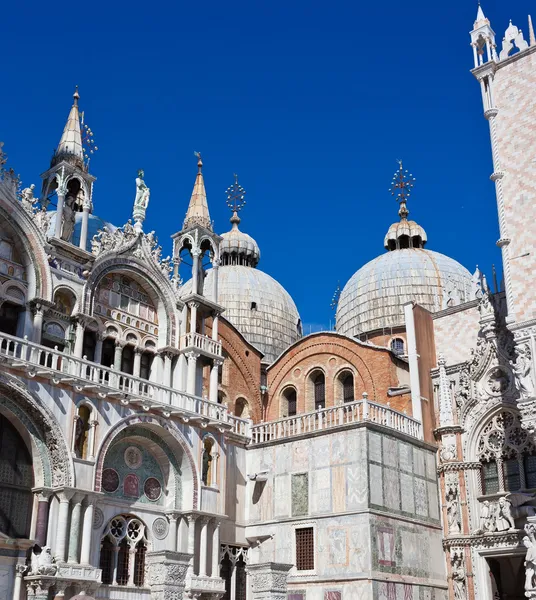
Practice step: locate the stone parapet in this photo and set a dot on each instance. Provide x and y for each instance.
(167, 574)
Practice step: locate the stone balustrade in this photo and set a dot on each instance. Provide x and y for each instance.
(86, 376)
(201, 342)
(327, 418)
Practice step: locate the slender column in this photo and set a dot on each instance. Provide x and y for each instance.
(85, 222)
(193, 316)
(215, 270)
(74, 541)
(52, 520)
(233, 580)
(182, 367)
(38, 323)
(43, 508)
(137, 361)
(191, 540)
(195, 270)
(182, 539)
(214, 373)
(86, 531)
(131, 562)
(59, 213)
(191, 379)
(118, 355)
(63, 522)
(79, 340)
(20, 570)
(172, 536)
(91, 439)
(215, 321)
(98, 348)
(203, 548)
(167, 369)
(216, 549)
(114, 565)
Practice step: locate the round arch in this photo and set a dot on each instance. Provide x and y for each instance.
(52, 461)
(169, 435)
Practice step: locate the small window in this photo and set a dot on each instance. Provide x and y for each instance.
(319, 383)
(490, 477)
(512, 478)
(530, 471)
(305, 549)
(348, 388)
(397, 346)
(289, 403)
(253, 306)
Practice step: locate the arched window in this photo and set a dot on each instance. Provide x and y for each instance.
(242, 408)
(127, 359)
(123, 549)
(208, 467)
(82, 427)
(319, 386)
(146, 364)
(347, 381)
(507, 455)
(397, 346)
(289, 403)
(16, 482)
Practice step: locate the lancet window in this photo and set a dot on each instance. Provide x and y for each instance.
(507, 455)
(123, 550)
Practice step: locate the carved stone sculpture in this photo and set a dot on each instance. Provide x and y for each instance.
(522, 368)
(458, 576)
(487, 521)
(504, 520)
(530, 563)
(453, 513)
(43, 563)
(141, 201)
(27, 198)
(67, 226)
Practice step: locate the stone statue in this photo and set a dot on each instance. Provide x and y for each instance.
(458, 577)
(207, 459)
(141, 201)
(504, 520)
(27, 198)
(522, 369)
(530, 563)
(43, 563)
(79, 436)
(67, 227)
(487, 524)
(453, 514)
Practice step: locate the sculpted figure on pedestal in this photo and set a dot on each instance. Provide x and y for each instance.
(522, 368)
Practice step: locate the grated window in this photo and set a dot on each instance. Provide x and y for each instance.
(305, 549)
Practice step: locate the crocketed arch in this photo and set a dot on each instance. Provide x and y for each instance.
(21, 227)
(168, 436)
(158, 288)
(38, 426)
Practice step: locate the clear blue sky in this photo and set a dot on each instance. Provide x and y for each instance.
(310, 103)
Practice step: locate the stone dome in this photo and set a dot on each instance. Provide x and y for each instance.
(239, 248)
(258, 306)
(375, 295)
(94, 224)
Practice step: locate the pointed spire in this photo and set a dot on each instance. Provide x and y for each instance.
(197, 213)
(71, 139)
(532, 39)
(480, 16)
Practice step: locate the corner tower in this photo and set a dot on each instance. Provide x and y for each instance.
(508, 85)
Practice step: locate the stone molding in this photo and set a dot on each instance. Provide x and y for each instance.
(486, 541)
(166, 571)
(268, 580)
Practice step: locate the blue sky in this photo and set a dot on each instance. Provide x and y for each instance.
(310, 103)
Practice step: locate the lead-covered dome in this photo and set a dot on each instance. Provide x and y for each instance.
(374, 297)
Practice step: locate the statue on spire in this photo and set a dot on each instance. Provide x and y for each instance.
(141, 201)
(401, 187)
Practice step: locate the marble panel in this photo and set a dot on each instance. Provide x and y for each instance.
(386, 590)
(406, 493)
(358, 590)
(281, 496)
(332, 595)
(375, 447)
(376, 490)
(339, 449)
(385, 544)
(421, 502)
(390, 452)
(433, 504)
(300, 455)
(406, 457)
(359, 548)
(6, 577)
(391, 489)
(282, 458)
(431, 472)
(283, 545)
(411, 551)
(418, 462)
(357, 485)
(296, 595)
(338, 546)
(300, 494)
(321, 491)
(320, 450)
(355, 442)
(267, 459)
(339, 488)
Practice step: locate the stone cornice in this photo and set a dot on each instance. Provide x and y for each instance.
(458, 466)
(490, 540)
(445, 429)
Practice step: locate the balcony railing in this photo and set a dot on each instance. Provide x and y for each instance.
(345, 414)
(85, 375)
(201, 342)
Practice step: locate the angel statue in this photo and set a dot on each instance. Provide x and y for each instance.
(522, 368)
(141, 201)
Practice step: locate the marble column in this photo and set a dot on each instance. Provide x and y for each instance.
(20, 570)
(215, 269)
(215, 322)
(59, 213)
(79, 340)
(63, 523)
(167, 369)
(84, 227)
(203, 547)
(86, 531)
(137, 361)
(193, 316)
(118, 355)
(214, 376)
(232, 586)
(38, 323)
(43, 507)
(192, 518)
(74, 541)
(172, 536)
(131, 563)
(182, 366)
(268, 580)
(192, 373)
(195, 270)
(98, 348)
(216, 549)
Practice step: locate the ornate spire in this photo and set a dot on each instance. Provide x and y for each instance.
(70, 145)
(480, 17)
(197, 213)
(532, 39)
(235, 200)
(401, 187)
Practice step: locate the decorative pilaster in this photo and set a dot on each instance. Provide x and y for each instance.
(167, 574)
(269, 580)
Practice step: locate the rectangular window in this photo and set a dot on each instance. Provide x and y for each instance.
(512, 479)
(305, 549)
(530, 471)
(124, 302)
(300, 494)
(490, 478)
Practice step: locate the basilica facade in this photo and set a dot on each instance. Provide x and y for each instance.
(167, 431)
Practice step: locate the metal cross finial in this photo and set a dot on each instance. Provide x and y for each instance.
(235, 196)
(199, 161)
(401, 187)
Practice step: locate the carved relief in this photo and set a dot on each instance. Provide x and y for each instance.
(458, 575)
